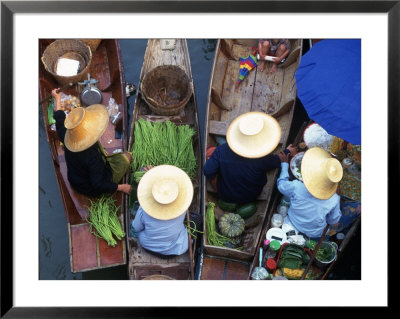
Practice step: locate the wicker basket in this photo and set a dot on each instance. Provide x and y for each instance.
(166, 89)
(92, 43)
(68, 48)
(158, 277)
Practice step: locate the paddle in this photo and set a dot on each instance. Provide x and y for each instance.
(314, 252)
(65, 86)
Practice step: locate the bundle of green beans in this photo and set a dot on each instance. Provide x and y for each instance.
(159, 143)
(163, 143)
(103, 220)
(213, 237)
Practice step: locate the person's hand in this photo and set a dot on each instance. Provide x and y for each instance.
(147, 168)
(283, 157)
(292, 149)
(126, 188)
(57, 98)
(56, 94)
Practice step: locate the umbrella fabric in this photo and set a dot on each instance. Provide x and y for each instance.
(329, 87)
(246, 65)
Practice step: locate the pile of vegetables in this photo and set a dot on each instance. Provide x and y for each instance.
(213, 237)
(163, 143)
(231, 225)
(325, 253)
(293, 257)
(158, 143)
(293, 273)
(103, 220)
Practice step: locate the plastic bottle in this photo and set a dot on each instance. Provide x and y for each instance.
(285, 201)
(282, 210)
(277, 220)
(273, 249)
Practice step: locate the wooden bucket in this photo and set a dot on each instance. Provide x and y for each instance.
(92, 43)
(158, 277)
(166, 89)
(67, 48)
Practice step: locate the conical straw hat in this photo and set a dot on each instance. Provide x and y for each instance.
(85, 126)
(165, 192)
(253, 134)
(321, 172)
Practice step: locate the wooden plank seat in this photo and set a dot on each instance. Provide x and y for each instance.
(143, 264)
(88, 252)
(223, 269)
(177, 119)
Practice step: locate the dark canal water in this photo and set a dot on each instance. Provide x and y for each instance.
(54, 260)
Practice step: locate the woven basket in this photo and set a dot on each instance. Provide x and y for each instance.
(158, 277)
(166, 89)
(68, 48)
(92, 43)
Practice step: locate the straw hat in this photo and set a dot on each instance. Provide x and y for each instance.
(253, 134)
(321, 172)
(165, 192)
(85, 126)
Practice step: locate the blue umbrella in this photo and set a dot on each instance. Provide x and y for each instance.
(329, 87)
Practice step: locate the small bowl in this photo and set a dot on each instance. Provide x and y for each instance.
(295, 165)
(324, 263)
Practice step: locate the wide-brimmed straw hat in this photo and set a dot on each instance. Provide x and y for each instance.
(321, 172)
(85, 126)
(165, 192)
(253, 134)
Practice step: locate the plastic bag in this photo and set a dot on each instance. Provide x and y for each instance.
(113, 111)
(297, 239)
(112, 107)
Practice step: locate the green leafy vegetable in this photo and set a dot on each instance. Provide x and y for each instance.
(103, 220)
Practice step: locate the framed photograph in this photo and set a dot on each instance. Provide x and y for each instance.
(45, 288)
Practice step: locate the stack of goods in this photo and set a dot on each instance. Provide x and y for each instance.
(292, 262)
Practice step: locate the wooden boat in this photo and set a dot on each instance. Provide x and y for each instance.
(320, 272)
(142, 264)
(274, 94)
(88, 252)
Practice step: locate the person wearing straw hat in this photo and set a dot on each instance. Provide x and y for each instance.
(165, 193)
(91, 171)
(237, 169)
(314, 202)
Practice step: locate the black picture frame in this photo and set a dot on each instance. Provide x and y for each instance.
(9, 8)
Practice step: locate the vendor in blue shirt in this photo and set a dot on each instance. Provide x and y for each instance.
(313, 202)
(241, 164)
(165, 193)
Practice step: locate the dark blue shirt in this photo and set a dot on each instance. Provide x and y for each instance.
(86, 170)
(240, 180)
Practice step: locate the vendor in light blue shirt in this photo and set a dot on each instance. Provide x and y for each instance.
(313, 202)
(164, 193)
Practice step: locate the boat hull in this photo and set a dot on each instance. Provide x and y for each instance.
(274, 94)
(86, 251)
(143, 265)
